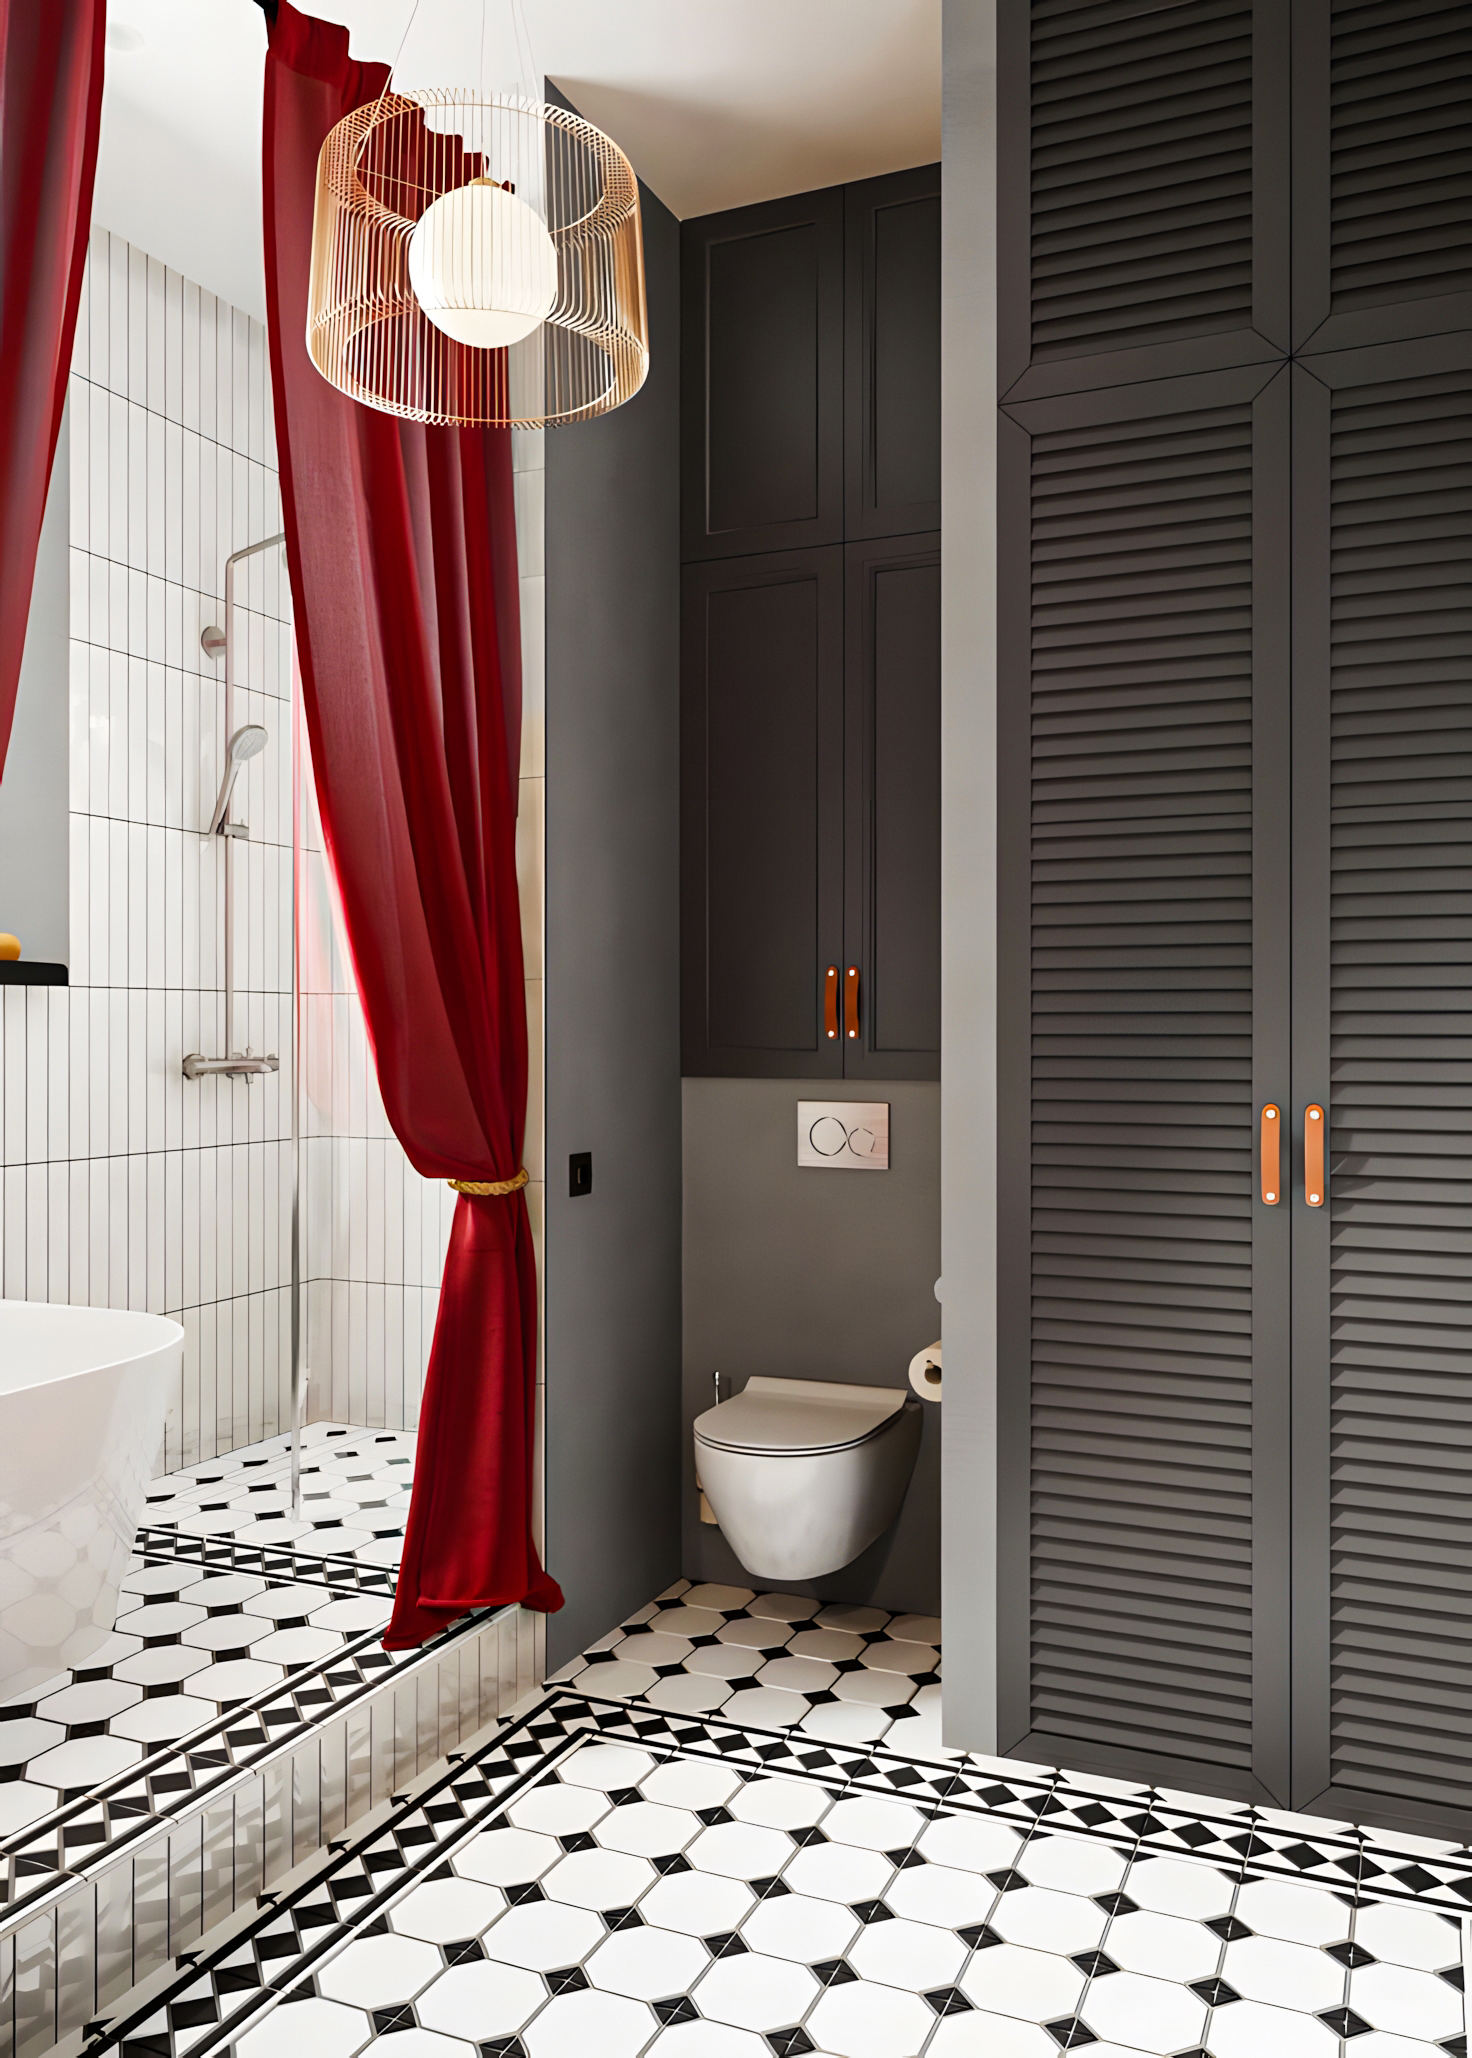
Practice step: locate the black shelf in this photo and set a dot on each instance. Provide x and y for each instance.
(31, 972)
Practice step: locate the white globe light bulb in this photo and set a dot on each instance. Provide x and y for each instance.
(483, 266)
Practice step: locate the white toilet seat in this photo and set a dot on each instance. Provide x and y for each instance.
(803, 1474)
(798, 1416)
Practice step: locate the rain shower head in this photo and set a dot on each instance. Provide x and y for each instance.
(247, 742)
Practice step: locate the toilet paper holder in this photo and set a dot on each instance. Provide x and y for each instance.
(925, 1372)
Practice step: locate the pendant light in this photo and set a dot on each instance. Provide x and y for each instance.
(477, 258)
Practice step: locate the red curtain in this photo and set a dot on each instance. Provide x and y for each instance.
(50, 103)
(401, 542)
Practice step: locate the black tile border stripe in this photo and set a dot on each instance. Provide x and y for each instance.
(482, 1785)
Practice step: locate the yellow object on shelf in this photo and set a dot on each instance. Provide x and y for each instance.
(9, 945)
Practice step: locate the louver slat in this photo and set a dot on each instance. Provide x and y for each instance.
(1137, 672)
(1383, 219)
(1401, 1109)
(1152, 144)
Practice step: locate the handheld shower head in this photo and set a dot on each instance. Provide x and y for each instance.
(247, 742)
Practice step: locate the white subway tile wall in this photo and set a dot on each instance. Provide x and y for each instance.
(124, 1184)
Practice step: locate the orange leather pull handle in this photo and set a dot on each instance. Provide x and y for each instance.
(830, 1003)
(1271, 1155)
(1315, 1122)
(851, 1003)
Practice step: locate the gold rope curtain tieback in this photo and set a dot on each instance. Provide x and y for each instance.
(484, 1186)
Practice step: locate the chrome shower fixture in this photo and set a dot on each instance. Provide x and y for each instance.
(247, 742)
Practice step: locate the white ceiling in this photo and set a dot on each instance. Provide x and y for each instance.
(717, 102)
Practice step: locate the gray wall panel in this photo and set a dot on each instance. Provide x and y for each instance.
(612, 960)
(808, 1274)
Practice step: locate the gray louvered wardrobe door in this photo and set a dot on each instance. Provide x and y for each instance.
(1382, 1276)
(1143, 826)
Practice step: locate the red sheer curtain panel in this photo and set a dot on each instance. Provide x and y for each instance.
(50, 103)
(402, 546)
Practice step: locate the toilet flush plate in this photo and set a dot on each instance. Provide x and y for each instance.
(843, 1135)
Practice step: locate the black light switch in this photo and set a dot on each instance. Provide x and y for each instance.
(580, 1173)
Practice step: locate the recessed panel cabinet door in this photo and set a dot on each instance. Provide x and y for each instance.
(892, 355)
(762, 377)
(1143, 1023)
(892, 812)
(762, 815)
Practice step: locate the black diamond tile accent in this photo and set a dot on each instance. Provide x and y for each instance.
(711, 1816)
(1416, 1877)
(1353, 1954)
(769, 1889)
(833, 1972)
(1095, 1963)
(1116, 1904)
(1092, 1814)
(817, 1699)
(1231, 1929)
(621, 1918)
(1344, 2022)
(948, 2001)
(678, 2008)
(503, 2047)
(675, 1862)
(811, 1835)
(905, 1860)
(515, 1895)
(1007, 1880)
(667, 1671)
(1455, 2047)
(387, 2020)
(465, 1952)
(1068, 2032)
(724, 1944)
(849, 1665)
(978, 1936)
(1195, 1834)
(579, 1840)
(1214, 1992)
(193, 2014)
(1453, 1976)
(625, 1796)
(872, 1911)
(1302, 1855)
(568, 1979)
(790, 2043)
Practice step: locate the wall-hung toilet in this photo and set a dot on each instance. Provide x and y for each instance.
(803, 1474)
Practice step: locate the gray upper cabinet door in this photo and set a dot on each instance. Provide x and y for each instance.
(891, 822)
(892, 355)
(1143, 1305)
(1382, 148)
(761, 869)
(1143, 190)
(1382, 1273)
(762, 377)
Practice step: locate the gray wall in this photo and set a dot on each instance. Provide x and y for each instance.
(35, 793)
(612, 986)
(813, 1274)
(969, 863)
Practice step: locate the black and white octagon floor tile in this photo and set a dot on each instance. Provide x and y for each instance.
(616, 1878)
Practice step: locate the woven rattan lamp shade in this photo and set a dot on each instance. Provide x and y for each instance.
(382, 167)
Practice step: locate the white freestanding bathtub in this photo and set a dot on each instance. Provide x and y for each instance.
(82, 1399)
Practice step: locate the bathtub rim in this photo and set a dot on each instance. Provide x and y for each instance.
(161, 1336)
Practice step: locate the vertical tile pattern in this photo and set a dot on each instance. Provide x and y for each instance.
(124, 1185)
(121, 1183)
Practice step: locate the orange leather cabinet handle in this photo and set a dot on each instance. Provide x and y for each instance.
(1315, 1122)
(851, 1002)
(830, 1002)
(1271, 1154)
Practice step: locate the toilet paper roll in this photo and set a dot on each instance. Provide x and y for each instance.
(925, 1372)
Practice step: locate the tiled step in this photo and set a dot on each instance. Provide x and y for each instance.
(243, 1716)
